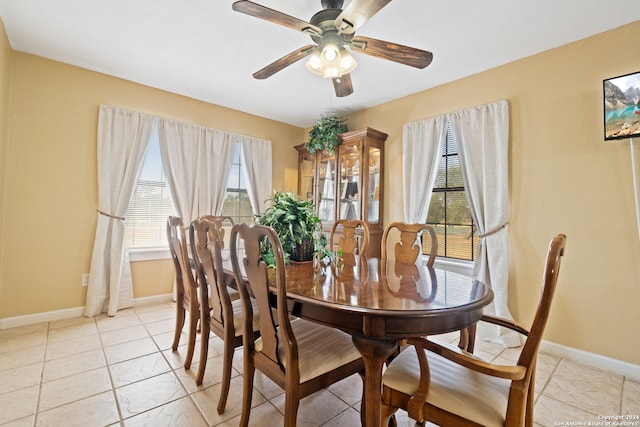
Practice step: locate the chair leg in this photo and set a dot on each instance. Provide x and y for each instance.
(363, 407)
(291, 404)
(463, 342)
(179, 325)
(388, 417)
(471, 345)
(528, 411)
(247, 392)
(227, 360)
(528, 415)
(204, 352)
(191, 345)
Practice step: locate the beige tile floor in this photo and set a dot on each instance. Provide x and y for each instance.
(120, 371)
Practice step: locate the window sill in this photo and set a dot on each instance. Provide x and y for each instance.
(455, 265)
(148, 254)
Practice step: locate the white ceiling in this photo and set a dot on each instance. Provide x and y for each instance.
(204, 50)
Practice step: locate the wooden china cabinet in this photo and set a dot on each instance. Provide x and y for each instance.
(347, 184)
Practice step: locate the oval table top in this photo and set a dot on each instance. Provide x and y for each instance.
(413, 300)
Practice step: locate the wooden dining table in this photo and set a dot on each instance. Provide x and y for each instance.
(381, 302)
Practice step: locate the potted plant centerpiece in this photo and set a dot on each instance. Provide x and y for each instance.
(298, 227)
(323, 136)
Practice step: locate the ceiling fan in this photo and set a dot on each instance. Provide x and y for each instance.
(331, 29)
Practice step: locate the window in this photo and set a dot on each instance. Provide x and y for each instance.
(151, 204)
(449, 214)
(236, 200)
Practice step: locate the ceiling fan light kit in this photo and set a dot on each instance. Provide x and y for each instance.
(332, 29)
(330, 61)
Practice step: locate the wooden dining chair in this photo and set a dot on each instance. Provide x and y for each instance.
(346, 238)
(222, 223)
(446, 385)
(300, 356)
(218, 312)
(409, 247)
(186, 287)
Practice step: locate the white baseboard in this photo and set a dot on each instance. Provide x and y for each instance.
(47, 316)
(609, 364)
(67, 313)
(155, 299)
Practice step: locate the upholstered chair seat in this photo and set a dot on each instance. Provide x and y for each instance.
(452, 387)
(321, 349)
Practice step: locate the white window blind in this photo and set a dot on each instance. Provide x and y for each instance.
(151, 203)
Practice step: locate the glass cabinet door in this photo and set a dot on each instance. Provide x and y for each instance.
(306, 175)
(350, 185)
(374, 186)
(326, 190)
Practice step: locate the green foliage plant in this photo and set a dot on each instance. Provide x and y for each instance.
(323, 136)
(294, 221)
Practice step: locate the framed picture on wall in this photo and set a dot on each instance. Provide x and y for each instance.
(621, 99)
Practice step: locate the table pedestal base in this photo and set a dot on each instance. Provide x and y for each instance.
(375, 352)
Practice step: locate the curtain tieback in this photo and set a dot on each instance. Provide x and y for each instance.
(493, 230)
(121, 218)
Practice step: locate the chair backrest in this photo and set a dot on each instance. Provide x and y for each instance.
(549, 281)
(348, 241)
(220, 221)
(256, 273)
(409, 246)
(186, 286)
(206, 244)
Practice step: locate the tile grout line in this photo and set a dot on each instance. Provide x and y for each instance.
(544, 387)
(620, 403)
(106, 365)
(44, 361)
(173, 372)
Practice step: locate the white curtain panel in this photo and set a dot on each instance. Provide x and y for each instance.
(122, 139)
(179, 145)
(216, 162)
(422, 144)
(482, 136)
(257, 162)
(196, 162)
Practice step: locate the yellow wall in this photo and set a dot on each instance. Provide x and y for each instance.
(51, 177)
(563, 178)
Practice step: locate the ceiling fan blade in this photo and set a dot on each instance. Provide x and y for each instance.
(263, 12)
(283, 62)
(392, 51)
(357, 13)
(343, 86)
